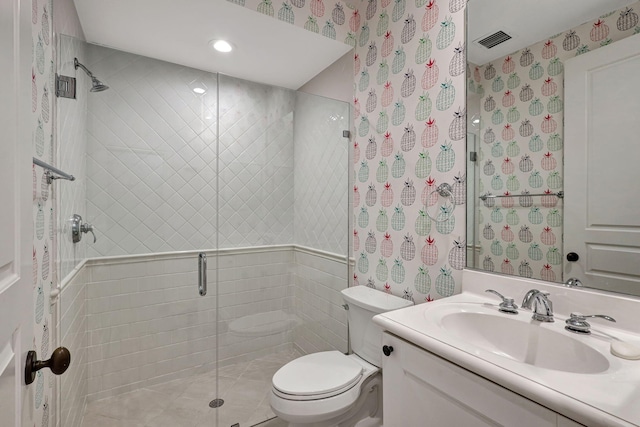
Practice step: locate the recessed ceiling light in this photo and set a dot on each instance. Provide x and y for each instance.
(199, 90)
(222, 46)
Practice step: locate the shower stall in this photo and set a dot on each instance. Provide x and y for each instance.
(174, 165)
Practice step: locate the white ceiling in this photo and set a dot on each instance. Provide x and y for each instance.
(267, 50)
(527, 21)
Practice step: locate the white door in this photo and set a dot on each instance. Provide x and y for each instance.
(16, 235)
(602, 166)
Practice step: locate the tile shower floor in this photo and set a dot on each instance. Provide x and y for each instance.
(245, 388)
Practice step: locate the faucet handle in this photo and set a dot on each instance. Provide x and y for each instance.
(577, 323)
(507, 305)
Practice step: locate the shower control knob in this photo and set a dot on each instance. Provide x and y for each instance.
(387, 350)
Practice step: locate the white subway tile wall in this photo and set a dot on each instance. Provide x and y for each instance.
(73, 335)
(318, 303)
(146, 323)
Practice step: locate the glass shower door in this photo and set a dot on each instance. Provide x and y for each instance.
(143, 340)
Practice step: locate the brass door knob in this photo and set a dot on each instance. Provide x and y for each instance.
(58, 363)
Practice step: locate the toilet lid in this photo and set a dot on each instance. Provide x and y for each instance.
(317, 373)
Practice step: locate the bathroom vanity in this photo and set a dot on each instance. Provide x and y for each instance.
(460, 361)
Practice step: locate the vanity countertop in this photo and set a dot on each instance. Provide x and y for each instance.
(607, 398)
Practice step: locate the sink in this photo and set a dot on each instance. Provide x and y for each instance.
(521, 339)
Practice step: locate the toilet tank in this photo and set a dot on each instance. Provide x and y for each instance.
(365, 337)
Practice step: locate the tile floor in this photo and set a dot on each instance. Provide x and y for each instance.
(245, 388)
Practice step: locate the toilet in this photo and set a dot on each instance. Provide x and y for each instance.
(329, 389)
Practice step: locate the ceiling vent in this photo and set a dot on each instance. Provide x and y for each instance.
(494, 39)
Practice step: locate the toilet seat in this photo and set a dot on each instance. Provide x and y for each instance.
(317, 376)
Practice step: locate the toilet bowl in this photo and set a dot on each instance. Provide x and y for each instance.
(329, 389)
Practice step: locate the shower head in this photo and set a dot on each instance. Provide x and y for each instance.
(96, 85)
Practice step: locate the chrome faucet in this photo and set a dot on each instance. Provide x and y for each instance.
(540, 304)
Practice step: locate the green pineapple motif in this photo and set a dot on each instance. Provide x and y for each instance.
(382, 174)
(445, 284)
(424, 49)
(329, 30)
(398, 219)
(382, 271)
(423, 223)
(363, 173)
(363, 263)
(399, 59)
(383, 24)
(363, 83)
(397, 271)
(382, 222)
(383, 72)
(423, 165)
(398, 9)
(383, 122)
(286, 13)
(423, 109)
(363, 217)
(445, 221)
(446, 96)
(398, 114)
(398, 166)
(446, 34)
(422, 282)
(446, 158)
(266, 7)
(535, 143)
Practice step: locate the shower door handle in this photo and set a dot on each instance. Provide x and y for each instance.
(202, 274)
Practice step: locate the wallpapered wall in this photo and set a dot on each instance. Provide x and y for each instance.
(521, 148)
(409, 77)
(42, 96)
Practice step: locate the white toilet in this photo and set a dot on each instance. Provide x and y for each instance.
(329, 389)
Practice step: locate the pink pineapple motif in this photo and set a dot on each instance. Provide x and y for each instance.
(507, 202)
(428, 196)
(431, 74)
(430, 134)
(506, 266)
(549, 50)
(547, 236)
(356, 107)
(507, 166)
(476, 74)
(548, 162)
(356, 241)
(549, 87)
(549, 125)
(356, 196)
(387, 196)
(387, 94)
(429, 253)
(549, 200)
(356, 64)
(356, 282)
(387, 44)
(354, 21)
(387, 145)
(508, 99)
(317, 8)
(507, 234)
(356, 153)
(387, 288)
(600, 31)
(386, 247)
(430, 17)
(508, 65)
(547, 273)
(508, 133)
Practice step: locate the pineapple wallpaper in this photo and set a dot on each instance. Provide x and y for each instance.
(409, 121)
(42, 98)
(409, 71)
(521, 148)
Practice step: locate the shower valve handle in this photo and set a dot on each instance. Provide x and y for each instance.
(88, 228)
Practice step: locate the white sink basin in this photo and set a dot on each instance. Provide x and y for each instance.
(522, 340)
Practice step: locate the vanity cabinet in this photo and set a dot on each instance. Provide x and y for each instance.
(422, 389)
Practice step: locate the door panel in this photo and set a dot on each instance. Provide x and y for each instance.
(16, 330)
(602, 224)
